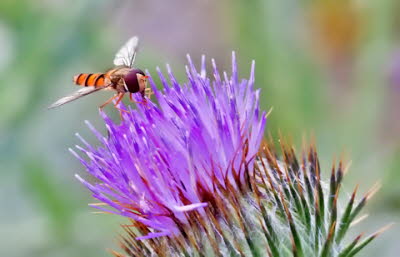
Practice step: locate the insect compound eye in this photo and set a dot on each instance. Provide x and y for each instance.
(131, 80)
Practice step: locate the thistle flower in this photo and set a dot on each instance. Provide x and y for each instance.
(195, 178)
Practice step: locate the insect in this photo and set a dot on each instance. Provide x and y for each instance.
(123, 78)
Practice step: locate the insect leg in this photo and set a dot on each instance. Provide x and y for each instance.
(138, 102)
(121, 95)
(108, 101)
(148, 92)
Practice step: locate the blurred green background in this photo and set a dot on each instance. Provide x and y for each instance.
(328, 68)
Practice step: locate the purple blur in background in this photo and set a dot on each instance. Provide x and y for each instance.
(394, 71)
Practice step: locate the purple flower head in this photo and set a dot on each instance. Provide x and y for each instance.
(164, 160)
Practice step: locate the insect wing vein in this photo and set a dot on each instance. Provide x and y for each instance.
(76, 95)
(127, 54)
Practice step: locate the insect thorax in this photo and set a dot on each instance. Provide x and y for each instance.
(117, 78)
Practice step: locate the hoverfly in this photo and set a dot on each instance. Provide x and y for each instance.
(124, 78)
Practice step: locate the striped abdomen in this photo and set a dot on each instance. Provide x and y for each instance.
(90, 80)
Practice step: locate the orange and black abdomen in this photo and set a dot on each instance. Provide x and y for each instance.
(90, 80)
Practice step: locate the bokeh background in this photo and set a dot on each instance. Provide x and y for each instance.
(328, 67)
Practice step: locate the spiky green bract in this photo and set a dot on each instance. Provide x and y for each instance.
(284, 209)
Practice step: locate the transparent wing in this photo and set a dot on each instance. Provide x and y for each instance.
(77, 94)
(127, 54)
